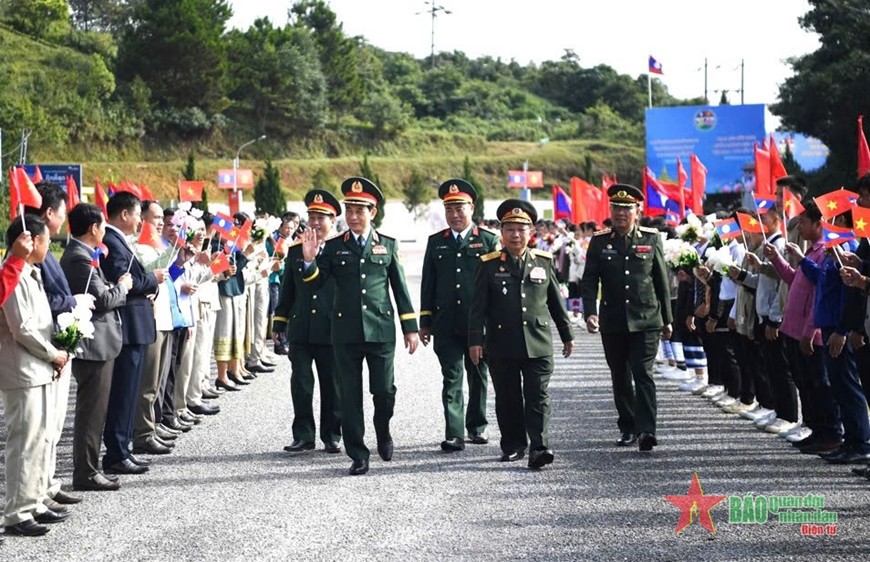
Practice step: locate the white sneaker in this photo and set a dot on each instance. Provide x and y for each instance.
(792, 428)
(739, 407)
(798, 434)
(755, 413)
(678, 375)
(700, 387)
(763, 421)
(726, 402)
(779, 425)
(719, 396)
(689, 385)
(712, 390)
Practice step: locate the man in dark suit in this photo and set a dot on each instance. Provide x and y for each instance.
(627, 261)
(61, 299)
(516, 293)
(92, 366)
(365, 265)
(307, 315)
(138, 330)
(449, 268)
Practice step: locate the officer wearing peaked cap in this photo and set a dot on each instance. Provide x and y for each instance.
(516, 295)
(306, 315)
(365, 265)
(449, 268)
(627, 262)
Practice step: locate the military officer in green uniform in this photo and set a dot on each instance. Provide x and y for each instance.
(308, 316)
(449, 268)
(364, 265)
(627, 262)
(516, 294)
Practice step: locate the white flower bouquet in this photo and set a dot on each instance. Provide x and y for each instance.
(719, 260)
(72, 327)
(680, 254)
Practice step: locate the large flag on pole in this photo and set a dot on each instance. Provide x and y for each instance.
(699, 184)
(863, 150)
(762, 170)
(72, 194)
(561, 204)
(777, 168)
(100, 198)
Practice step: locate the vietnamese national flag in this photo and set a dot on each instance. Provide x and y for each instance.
(245, 232)
(835, 202)
(699, 184)
(863, 150)
(861, 221)
(791, 205)
(777, 168)
(561, 204)
(682, 178)
(149, 236)
(37, 175)
(762, 171)
(27, 194)
(836, 235)
(190, 190)
(748, 223)
(727, 229)
(655, 67)
(100, 198)
(220, 264)
(146, 193)
(129, 188)
(72, 194)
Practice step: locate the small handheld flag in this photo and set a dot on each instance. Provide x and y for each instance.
(835, 202)
(727, 229)
(836, 235)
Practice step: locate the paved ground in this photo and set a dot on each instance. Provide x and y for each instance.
(229, 492)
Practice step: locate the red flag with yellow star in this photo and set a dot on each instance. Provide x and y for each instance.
(791, 205)
(150, 237)
(749, 224)
(190, 190)
(836, 202)
(861, 221)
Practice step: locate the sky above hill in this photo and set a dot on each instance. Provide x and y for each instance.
(619, 33)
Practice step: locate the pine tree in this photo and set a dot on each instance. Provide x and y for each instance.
(322, 180)
(268, 196)
(415, 193)
(479, 201)
(788, 160)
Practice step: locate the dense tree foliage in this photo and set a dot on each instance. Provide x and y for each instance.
(829, 87)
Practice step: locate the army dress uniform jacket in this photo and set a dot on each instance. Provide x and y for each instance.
(516, 307)
(302, 310)
(449, 271)
(362, 311)
(635, 293)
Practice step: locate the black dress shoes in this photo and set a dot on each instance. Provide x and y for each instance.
(332, 447)
(152, 447)
(385, 449)
(166, 434)
(97, 483)
(452, 445)
(848, 456)
(512, 456)
(137, 461)
(209, 395)
(177, 425)
(126, 466)
(863, 471)
(47, 517)
(232, 388)
(29, 528)
(478, 438)
(204, 409)
(268, 364)
(646, 441)
(626, 439)
(237, 379)
(65, 498)
(359, 467)
(259, 369)
(298, 446)
(539, 458)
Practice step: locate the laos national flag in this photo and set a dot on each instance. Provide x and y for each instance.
(561, 204)
(764, 203)
(727, 229)
(835, 235)
(223, 223)
(655, 67)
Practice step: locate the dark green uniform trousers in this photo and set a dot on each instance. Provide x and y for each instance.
(349, 364)
(516, 380)
(452, 352)
(302, 392)
(631, 356)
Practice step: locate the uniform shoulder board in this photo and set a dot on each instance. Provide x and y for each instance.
(487, 230)
(490, 256)
(648, 230)
(439, 234)
(382, 235)
(334, 236)
(542, 253)
(600, 232)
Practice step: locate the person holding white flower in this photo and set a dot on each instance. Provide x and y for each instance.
(28, 365)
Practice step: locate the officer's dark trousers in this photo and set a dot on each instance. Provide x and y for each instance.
(452, 352)
(630, 356)
(302, 392)
(516, 381)
(846, 388)
(862, 356)
(349, 359)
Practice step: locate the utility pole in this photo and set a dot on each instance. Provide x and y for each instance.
(742, 89)
(706, 99)
(433, 10)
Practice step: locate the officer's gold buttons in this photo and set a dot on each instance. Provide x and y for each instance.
(342, 262)
(523, 295)
(458, 302)
(314, 297)
(499, 326)
(313, 311)
(524, 309)
(626, 272)
(366, 307)
(525, 323)
(626, 301)
(626, 286)
(457, 285)
(339, 314)
(363, 261)
(363, 276)
(363, 291)
(458, 270)
(458, 255)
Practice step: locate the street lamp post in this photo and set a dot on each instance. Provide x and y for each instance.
(235, 196)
